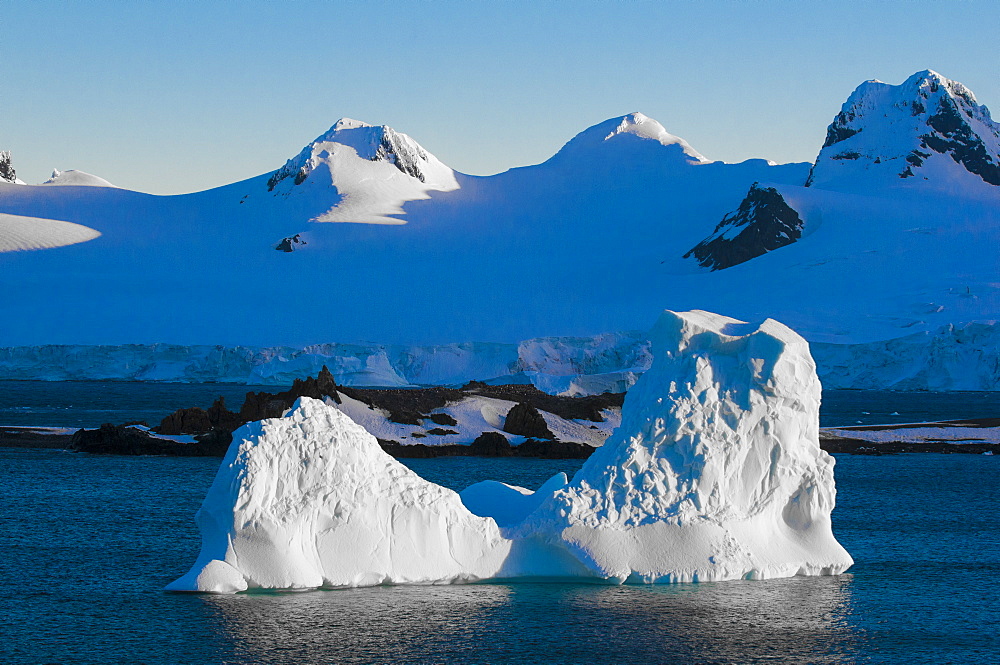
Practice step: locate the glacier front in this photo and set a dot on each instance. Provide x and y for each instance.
(715, 474)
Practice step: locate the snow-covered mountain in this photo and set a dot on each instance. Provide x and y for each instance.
(534, 251)
(74, 178)
(927, 131)
(591, 240)
(365, 173)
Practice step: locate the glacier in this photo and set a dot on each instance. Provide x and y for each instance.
(949, 358)
(888, 235)
(714, 474)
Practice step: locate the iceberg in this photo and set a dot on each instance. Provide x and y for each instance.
(715, 474)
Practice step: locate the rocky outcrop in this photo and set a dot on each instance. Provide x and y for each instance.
(256, 406)
(111, 439)
(763, 222)
(491, 444)
(291, 243)
(7, 173)
(213, 427)
(524, 420)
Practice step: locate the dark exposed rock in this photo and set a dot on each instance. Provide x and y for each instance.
(763, 222)
(123, 440)
(524, 420)
(491, 444)
(287, 171)
(861, 447)
(838, 130)
(185, 421)
(213, 428)
(953, 136)
(406, 407)
(554, 449)
(442, 419)
(6, 168)
(197, 421)
(402, 155)
(290, 243)
(571, 408)
(256, 406)
(34, 437)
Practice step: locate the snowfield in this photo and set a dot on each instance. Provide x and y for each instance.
(19, 233)
(889, 235)
(715, 474)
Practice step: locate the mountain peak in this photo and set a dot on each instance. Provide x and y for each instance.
(637, 125)
(348, 123)
(341, 168)
(7, 173)
(374, 143)
(928, 128)
(74, 178)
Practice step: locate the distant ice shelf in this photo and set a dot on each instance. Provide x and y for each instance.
(953, 357)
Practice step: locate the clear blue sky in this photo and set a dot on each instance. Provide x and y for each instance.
(169, 97)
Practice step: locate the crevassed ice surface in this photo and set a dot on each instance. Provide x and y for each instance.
(715, 473)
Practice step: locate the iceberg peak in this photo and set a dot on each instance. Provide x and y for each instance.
(715, 474)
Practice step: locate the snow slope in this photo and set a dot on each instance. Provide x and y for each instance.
(715, 474)
(539, 240)
(587, 242)
(20, 233)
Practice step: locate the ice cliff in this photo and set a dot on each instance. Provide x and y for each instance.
(715, 473)
(953, 357)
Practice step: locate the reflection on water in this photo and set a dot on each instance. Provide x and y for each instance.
(794, 620)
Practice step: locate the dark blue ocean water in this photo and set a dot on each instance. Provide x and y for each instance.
(92, 403)
(88, 542)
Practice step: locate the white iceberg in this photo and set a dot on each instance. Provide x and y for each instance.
(716, 473)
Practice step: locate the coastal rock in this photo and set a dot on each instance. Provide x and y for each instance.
(524, 420)
(111, 439)
(491, 444)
